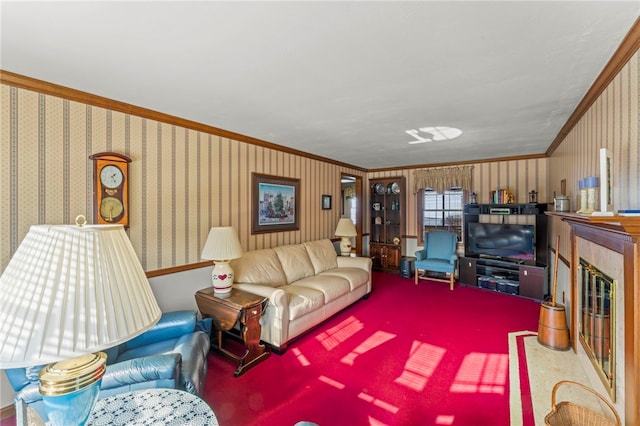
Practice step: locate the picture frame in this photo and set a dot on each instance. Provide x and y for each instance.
(275, 204)
(326, 202)
(606, 182)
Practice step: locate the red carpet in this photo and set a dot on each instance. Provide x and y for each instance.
(408, 355)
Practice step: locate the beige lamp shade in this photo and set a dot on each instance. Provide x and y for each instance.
(222, 244)
(69, 291)
(345, 228)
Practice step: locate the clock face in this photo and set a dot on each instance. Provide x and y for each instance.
(111, 176)
(111, 208)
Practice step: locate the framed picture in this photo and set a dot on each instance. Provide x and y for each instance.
(326, 202)
(275, 204)
(606, 181)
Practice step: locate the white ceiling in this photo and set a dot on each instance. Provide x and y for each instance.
(343, 80)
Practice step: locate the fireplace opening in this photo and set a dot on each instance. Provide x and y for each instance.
(597, 332)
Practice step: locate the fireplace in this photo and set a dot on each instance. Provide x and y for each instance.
(604, 295)
(597, 323)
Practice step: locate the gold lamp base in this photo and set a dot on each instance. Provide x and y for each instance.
(70, 388)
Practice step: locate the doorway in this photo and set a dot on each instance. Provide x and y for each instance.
(351, 204)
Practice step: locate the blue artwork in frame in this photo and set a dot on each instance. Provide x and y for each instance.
(275, 204)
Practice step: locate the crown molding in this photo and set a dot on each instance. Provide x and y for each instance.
(44, 87)
(627, 49)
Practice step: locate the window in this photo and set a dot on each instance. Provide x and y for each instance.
(353, 212)
(442, 211)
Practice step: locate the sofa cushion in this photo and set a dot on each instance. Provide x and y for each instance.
(295, 262)
(355, 276)
(302, 300)
(259, 267)
(322, 254)
(330, 286)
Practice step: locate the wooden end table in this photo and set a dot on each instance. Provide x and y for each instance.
(241, 308)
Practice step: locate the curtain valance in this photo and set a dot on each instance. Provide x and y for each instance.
(442, 178)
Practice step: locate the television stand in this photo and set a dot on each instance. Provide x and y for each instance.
(502, 259)
(504, 276)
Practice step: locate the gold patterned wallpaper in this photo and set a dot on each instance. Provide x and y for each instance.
(612, 122)
(520, 176)
(182, 181)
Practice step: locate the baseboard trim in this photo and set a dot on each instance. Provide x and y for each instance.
(7, 412)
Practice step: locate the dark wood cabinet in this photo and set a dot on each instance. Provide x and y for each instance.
(533, 281)
(491, 264)
(504, 276)
(467, 271)
(385, 256)
(387, 212)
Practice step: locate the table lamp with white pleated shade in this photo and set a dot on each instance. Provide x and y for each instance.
(67, 292)
(222, 246)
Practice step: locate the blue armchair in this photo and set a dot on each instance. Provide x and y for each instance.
(438, 255)
(171, 354)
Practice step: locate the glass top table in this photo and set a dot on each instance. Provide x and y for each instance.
(152, 407)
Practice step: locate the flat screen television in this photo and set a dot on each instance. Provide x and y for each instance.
(503, 241)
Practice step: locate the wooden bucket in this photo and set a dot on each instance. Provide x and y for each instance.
(553, 332)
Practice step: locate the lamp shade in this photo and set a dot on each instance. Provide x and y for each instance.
(222, 244)
(69, 291)
(345, 228)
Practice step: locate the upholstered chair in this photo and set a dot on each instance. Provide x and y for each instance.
(438, 255)
(171, 354)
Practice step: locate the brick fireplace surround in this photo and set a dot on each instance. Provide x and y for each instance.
(614, 242)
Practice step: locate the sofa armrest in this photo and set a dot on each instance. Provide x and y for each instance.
(277, 297)
(125, 373)
(275, 318)
(29, 394)
(138, 370)
(194, 348)
(354, 262)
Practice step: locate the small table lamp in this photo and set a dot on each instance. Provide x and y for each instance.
(69, 291)
(221, 246)
(346, 230)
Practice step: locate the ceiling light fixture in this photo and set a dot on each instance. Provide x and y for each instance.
(433, 134)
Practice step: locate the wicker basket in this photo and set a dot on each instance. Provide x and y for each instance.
(570, 414)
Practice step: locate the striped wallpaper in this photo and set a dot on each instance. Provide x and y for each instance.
(520, 176)
(612, 122)
(182, 181)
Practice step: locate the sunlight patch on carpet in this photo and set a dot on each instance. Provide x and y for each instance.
(300, 357)
(445, 420)
(423, 360)
(333, 336)
(376, 422)
(378, 338)
(378, 403)
(482, 373)
(331, 382)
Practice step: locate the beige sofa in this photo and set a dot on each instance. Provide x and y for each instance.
(305, 283)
